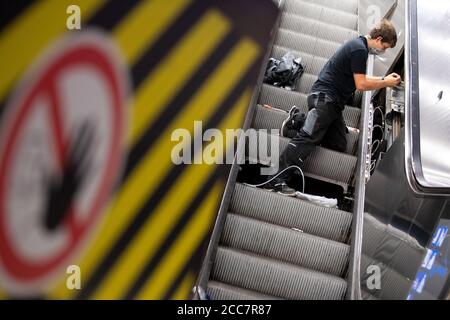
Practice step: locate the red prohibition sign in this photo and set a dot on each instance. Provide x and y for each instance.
(85, 54)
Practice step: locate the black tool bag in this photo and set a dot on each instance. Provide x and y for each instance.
(284, 73)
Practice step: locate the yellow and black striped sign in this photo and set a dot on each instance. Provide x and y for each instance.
(188, 61)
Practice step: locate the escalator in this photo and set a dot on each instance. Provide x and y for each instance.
(388, 236)
(269, 246)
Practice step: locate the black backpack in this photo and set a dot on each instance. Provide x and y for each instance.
(284, 73)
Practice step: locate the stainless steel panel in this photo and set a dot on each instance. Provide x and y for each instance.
(427, 113)
(398, 227)
(433, 20)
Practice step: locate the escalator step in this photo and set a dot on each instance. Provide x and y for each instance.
(321, 13)
(322, 164)
(350, 6)
(305, 43)
(271, 118)
(283, 99)
(275, 278)
(315, 28)
(222, 291)
(285, 245)
(290, 212)
(305, 83)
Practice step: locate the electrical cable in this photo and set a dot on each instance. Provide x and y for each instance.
(381, 128)
(373, 165)
(378, 145)
(382, 114)
(274, 177)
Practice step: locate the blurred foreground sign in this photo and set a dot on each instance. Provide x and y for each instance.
(63, 135)
(86, 118)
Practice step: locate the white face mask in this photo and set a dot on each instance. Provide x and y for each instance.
(376, 51)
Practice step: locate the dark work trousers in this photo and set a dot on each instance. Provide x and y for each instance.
(324, 126)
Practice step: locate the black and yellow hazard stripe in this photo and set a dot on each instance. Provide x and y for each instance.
(24, 36)
(187, 62)
(155, 221)
(10, 12)
(183, 290)
(16, 54)
(193, 233)
(189, 271)
(209, 189)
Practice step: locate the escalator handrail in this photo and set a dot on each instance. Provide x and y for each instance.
(354, 291)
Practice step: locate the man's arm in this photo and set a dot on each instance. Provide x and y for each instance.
(373, 78)
(367, 83)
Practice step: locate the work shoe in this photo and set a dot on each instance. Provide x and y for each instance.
(293, 123)
(268, 187)
(281, 188)
(284, 189)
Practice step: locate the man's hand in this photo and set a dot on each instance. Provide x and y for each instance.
(366, 83)
(392, 80)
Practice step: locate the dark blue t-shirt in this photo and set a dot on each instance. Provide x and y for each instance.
(336, 78)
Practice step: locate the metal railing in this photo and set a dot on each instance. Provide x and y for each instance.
(361, 178)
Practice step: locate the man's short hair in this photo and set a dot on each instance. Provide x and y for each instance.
(386, 30)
